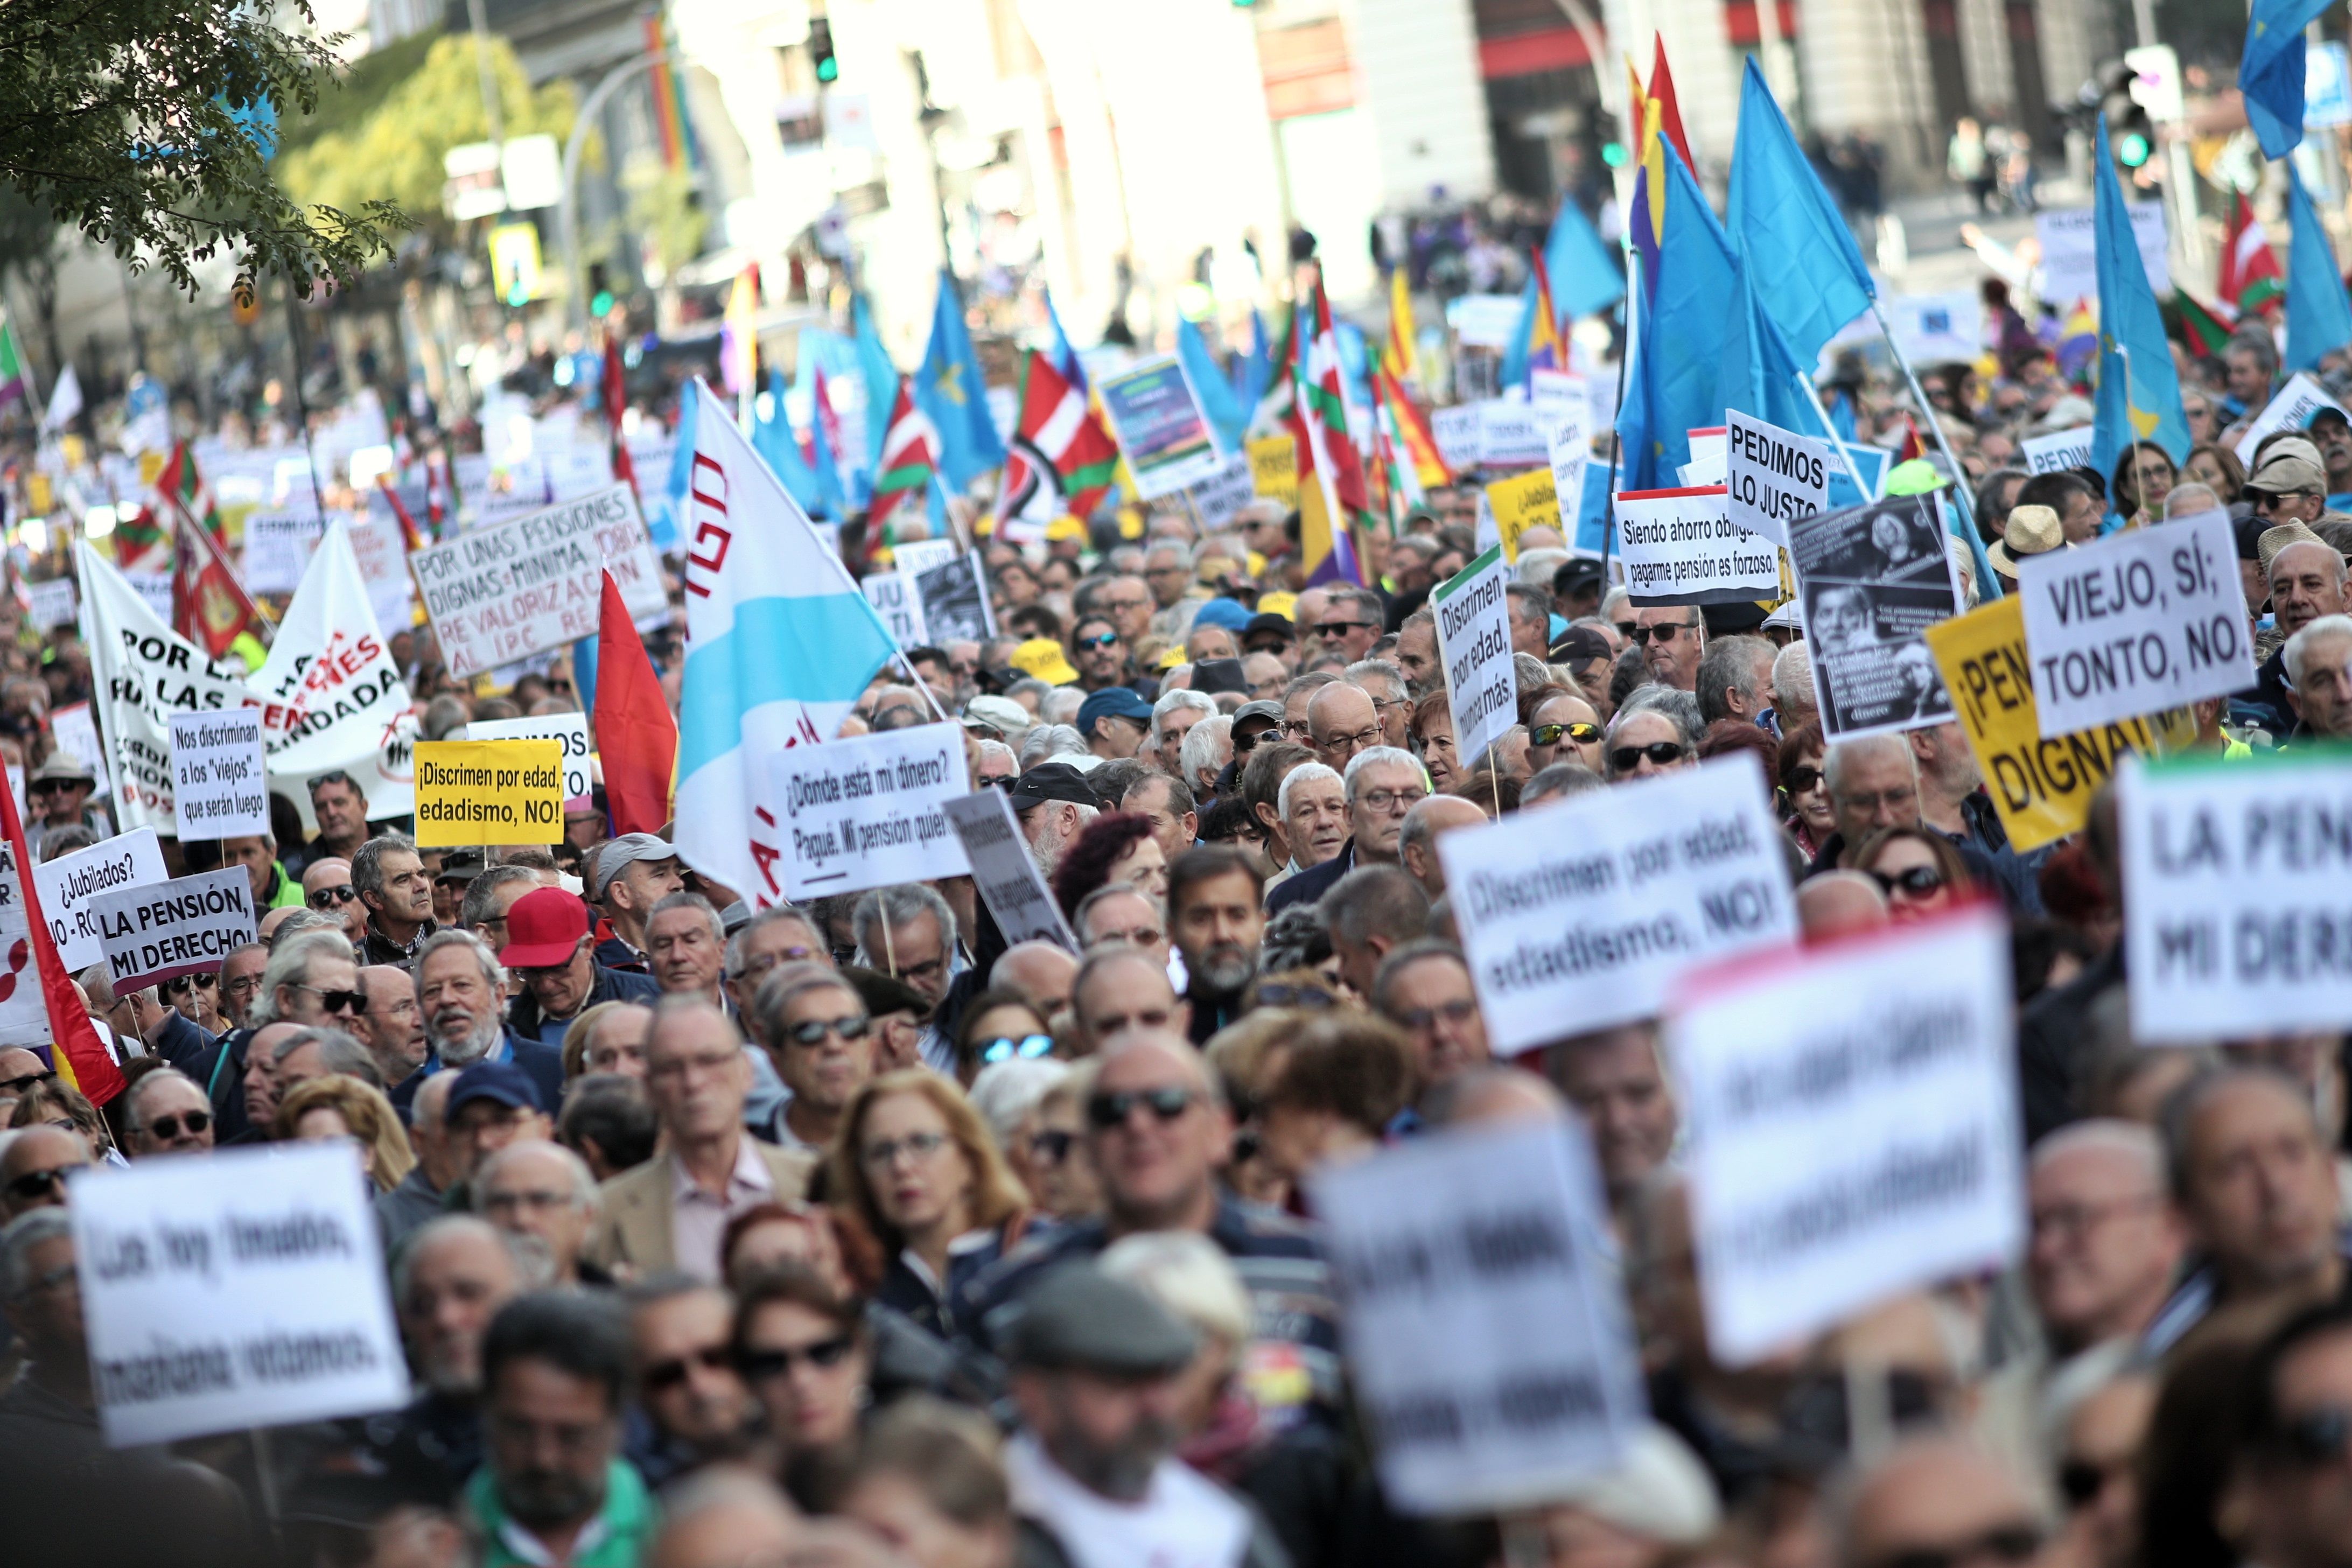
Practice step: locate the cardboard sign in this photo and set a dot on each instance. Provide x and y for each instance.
(894, 599)
(1274, 468)
(77, 737)
(2233, 913)
(142, 672)
(53, 602)
(489, 792)
(2059, 449)
(1681, 547)
(1853, 1119)
(2042, 788)
(535, 583)
(1510, 435)
(242, 1289)
(220, 774)
(865, 812)
(1156, 418)
(188, 925)
(1473, 645)
(954, 599)
(1591, 914)
(569, 731)
(1873, 579)
(2151, 619)
(1455, 428)
(1443, 1250)
(1771, 476)
(68, 884)
(2292, 409)
(1004, 870)
(1521, 503)
(2069, 257)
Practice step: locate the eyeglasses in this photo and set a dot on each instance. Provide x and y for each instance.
(169, 1124)
(535, 1203)
(668, 1374)
(1341, 629)
(1389, 799)
(1583, 734)
(1117, 606)
(1105, 1111)
(352, 1002)
(1803, 781)
(19, 1085)
(811, 1032)
(761, 1364)
(1915, 882)
(1028, 1048)
(2003, 1543)
(1281, 996)
(35, 1184)
(59, 787)
(1662, 632)
(1051, 1148)
(184, 983)
(1661, 752)
(917, 1146)
(1105, 640)
(1421, 1020)
(1355, 742)
(341, 893)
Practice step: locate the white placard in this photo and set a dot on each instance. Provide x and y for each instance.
(2135, 622)
(1567, 445)
(1485, 320)
(244, 1290)
(1006, 871)
(278, 545)
(54, 603)
(188, 925)
(1681, 547)
(2292, 409)
(2069, 257)
(1510, 435)
(1455, 428)
(2059, 449)
(1772, 475)
(1473, 645)
(77, 737)
(23, 1014)
(1587, 914)
(1554, 392)
(865, 812)
(142, 672)
(568, 729)
(920, 555)
(504, 591)
(220, 777)
(1933, 328)
(2233, 912)
(892, 596)
(1443, 1250)
(1853, 1119)
(1156, 419)
(1218, 500)
(68, 883)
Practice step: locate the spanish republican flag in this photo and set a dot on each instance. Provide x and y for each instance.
(75, 1052)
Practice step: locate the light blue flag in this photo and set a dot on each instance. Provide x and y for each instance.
(2271, 70)
(1515, 353)
(1228, 416)
(681, 456)
(951, 391)
(1804, 266)
(778, 644)
(1586, 275)
(1675, 380)
(2145, 404)
(881, 374)
(772, 437)
(1064, 358)
(833, 495)
(1255, 368)
(2318, 311)
(1759, 368)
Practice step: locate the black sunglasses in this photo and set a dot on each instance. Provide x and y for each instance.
(353, 1002)
(2003, 1543)
(1051, 1148)
(1663, 632)
(1662, 753)
(342, 893)
(1918, 882)
(40, 1184)
(1331, 628)
(168, 1125)
(813, 1031)
(1105, 1111)
(762, 1365)
(2316, 1437)
(19, 1085)
(1802, 781)
(665, 1374)
(1028, 1048)
(184, 983)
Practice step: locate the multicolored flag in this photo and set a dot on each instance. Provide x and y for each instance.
(1332, 499)
(908, 461)
(1662, 94)
(79, 1057)
(1061, 460)
(739, 337)
(1415, 442)
(1400, 485)
(2250, 276)
(2207, 328)
(1399, 356)
(181, 492)
(1547, 348)
(1272, 414)
(14, 383)
(209, 605)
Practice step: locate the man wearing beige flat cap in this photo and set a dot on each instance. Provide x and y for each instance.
(2030, 530)
(2290, 483)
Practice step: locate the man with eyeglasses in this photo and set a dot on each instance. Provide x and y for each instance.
(695, 1401)
(1352, 621)
(767, 940)
(1384, 683)
(1103, 657)
(35, 1166)
(551, 950)
(542, 1196)
(309, 980)
(814, 1027)
(1672, 638)
(327, 887)
(1120, 993)
(2104, 1242)
(1341, 721)
(908, 932)
(1379, 787)
(1127, 603)
(461, 988)
(1119, 914)
(1423, 988)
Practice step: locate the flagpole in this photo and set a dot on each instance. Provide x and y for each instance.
(1813, 395)
(1935, 425)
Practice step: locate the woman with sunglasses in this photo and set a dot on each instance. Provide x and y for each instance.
(915, 1170)
(803, 1349)
(1919, 869)
(1562, 727)
(999, 1026)
(1051, 1157)
(1805, 809)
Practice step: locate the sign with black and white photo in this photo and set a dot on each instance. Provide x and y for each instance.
(188, 925)
(1443, 1250)
(1004, 870)
(1852, 1122)
(244, 1290)
(865, 812)
(1873, 579)
(954, 594)
(1681, 547)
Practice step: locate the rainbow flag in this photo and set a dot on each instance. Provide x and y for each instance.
(739, 341)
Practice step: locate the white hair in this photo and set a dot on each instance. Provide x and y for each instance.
(1187, 1273)
(2298, 653)
(1200, 702)
(1375, 757)
(1208, 746)
(1061, 705)
(1006, 1092)
(1311, 773)
(1845, 754)
(1044, 742)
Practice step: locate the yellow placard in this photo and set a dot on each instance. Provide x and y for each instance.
(2042, 789)
(1274, 468)
(150, 467)
(1520, 502)
(489, 792)
(38, 497)
(74, 450)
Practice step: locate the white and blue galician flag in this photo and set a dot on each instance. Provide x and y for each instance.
(779, 644)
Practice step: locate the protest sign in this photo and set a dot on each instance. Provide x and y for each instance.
(1510, 435)
(916, 556)
(1681, 547)
(955, 598)
(1157, 420)
(864, 813)
(68, 884)
(220, 774)
(1004, 870)
(77, 737)
(2292, 409)
(1521, 503)
(52, 604)
(1568, 445)
(155, 589)
(1485, 320)
(1771, 475)
(2151, 619)
(382, 550)
(188, 925)
(1710, 456)
(1473, 645)
(142, 672)
(1873, 579)
(1552, 393)
(1219, 498)
(278, 545)
(892, 596)
(2069, 267)
(2234, 921)
(1933, 328)
(1455, 428)
(568, 730)
(24, 1014)
(244, 1290)
(1588, 915)
(2042, 788)
(536, 581)
(489, 792)
(1851, 1113)
(1443, 1250)
(1274, 468)
(2059, 449)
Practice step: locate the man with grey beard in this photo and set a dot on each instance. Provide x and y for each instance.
(461, 989)
(1216, 915)
(1054, 803)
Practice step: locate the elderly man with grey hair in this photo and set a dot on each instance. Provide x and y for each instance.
(1384, 683)
(1172, 717)
(543, 1196)
(1208, 747)
(1793, 699)
(165, 1113)
(908, 932)
(1656, 731)
(461, 989)
(311, 978)
(2318, 660)
(1382, 785)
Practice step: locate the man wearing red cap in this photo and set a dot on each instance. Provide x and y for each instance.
(549, 949)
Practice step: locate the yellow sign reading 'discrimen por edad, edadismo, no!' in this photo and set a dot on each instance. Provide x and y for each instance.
(489, 792)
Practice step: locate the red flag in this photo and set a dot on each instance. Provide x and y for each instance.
(410, 539)
(209, 605)
(616, 395)
(1912, 445)
(636, 734)
(2249, 278)
(1670, 114)
(75, 1052)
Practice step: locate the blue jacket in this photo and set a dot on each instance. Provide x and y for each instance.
(544, 1064)
(525, 1020)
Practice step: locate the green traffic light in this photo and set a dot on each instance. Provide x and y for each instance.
(2132, 150)
(601, 305)
(1613, 153)
(828, 70)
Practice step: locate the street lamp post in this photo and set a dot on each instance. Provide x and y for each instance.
(568, 213)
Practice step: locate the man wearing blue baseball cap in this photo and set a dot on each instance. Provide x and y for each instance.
(1114, 721)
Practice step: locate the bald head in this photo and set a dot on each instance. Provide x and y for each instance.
(32, 1152)
(1839, 903)
(1041, 971)
(1932, 1497)
(1123, 992)
(1338, 719)
(1491, 1094)
(1431, 819)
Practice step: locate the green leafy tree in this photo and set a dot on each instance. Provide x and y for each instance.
(136, 121)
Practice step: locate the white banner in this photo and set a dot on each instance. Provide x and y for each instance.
(246, 1290)
(1511, 436)
(1852, 1120)
(1455, 428)
(54, 603)
(892, 596)
(220, 774)
(568, 729)
(278, 545)
(1004, 870)
(865, 812)
(2059, 449)
(186, 926)
(1443, 1251)
(1681, 547)
(1473, 645)
(142, 672)
(23, 1014)
(2292, 409)
(2070, 260)
(1588, 915)
(530, 583)
(2135, 622)
(1568, 444)
(1772, 475)
(68, 884)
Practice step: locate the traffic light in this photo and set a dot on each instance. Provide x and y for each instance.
(820, 48)
(1614, 154)
(600, 291)
(2131, 134)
